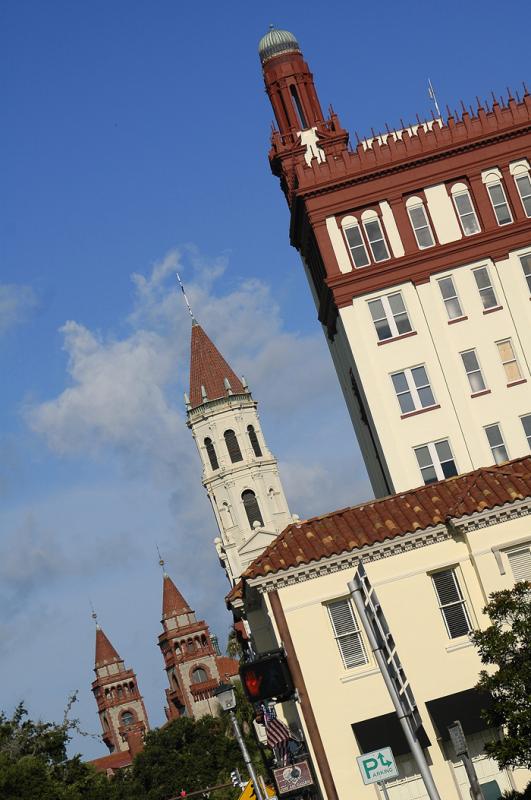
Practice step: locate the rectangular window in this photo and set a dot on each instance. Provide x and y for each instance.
(390, 316)
(347, 633)
(499, 203)
(484, 284)
(520, 562)
(526, 266)
(508, 360)
(436, 461)
(413, 389)
(450, 298)
(523, 184)
(467, 215)
(421, 226)
(357, 246)
(374, 232)
(497, 445)
(526, 424)
(451, 603)
(473, 371)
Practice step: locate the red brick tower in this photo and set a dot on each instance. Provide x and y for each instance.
(121, 708)
(192, 663)
(418, 239)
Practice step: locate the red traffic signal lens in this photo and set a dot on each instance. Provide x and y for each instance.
(253, 683)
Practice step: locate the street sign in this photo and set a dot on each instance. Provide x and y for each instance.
(377, 766)
(293, 777)
(248, 792)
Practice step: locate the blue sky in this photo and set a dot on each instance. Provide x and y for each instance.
(135, 139)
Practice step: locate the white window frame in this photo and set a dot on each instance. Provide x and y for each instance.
(493, 177)
(371, 216)
(527, 266)
(390, 317)
(414, 203)
(435, 462)
(460, 602)
(473, 371)
(494, 448)
(455, 296)
(513, 360)
(355, 631)
(412, 389)
(521, 169)
(485, 288)
(348, 223)
(527, 435)
(460, 190)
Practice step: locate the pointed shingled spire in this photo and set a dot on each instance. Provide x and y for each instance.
(209, 370)
(173, 603)
(105, 652)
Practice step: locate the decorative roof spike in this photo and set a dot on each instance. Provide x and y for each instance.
(204, 396)
(244, 384)
(226, 384)
(187, 402)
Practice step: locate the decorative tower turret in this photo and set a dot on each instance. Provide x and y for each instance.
(121, 708)
(239, 472)
(191, 660)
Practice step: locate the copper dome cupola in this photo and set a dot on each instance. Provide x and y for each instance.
(276, 42)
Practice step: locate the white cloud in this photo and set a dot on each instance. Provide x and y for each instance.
(16, 302)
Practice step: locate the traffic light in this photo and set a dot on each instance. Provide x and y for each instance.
(268, 677)
(236, 778)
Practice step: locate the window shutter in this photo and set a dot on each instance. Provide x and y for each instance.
(520, 561)
(451, 603)
(233, 447)
(347, 634)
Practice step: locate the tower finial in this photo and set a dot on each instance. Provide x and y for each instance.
(161, 561)
(94, 615)
(188, 306)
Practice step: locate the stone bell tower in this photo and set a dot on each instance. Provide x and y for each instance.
(240, 474)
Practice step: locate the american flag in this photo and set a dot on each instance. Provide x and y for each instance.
(278, 735)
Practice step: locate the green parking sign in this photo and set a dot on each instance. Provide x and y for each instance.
(377, 766)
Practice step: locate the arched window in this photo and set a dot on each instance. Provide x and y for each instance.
(253, 438)
(252, 509)
(375, 236)
(199, 675)
(119, 691)
(297, 105)
(494, 184)
(233, 447)
(190, 645)
(420, 222)
(178, 648)
(127, 718)
(520, 171)
(211, 452)
(465, 209)
(355, 242)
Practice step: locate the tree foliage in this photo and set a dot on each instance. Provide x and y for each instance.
(506, 644)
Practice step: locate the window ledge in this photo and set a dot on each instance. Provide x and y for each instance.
(516, 383)
(419, 411)
(459, 645)
(492, 310)
(480, 394)
(457, 319)
(358, 675)
(397, 338)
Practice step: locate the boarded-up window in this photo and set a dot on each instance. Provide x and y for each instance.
(347, 633)
(252, 509)
(211, 452)
(253, 438)
(233, 447)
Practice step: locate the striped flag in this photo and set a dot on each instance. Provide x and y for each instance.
(278, 735)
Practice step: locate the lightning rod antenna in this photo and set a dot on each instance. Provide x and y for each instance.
(188, 306)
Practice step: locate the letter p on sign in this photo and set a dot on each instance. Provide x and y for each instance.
(377, 766)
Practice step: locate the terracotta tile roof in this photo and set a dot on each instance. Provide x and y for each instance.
(173, 603)
(105, 652)
(113, 761)
(227, 667)
(208, 368)
(418, 509)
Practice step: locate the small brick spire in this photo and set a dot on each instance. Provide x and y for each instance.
(209, 370)
(105, 652)
(173, 603)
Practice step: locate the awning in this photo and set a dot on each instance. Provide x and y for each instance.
(463, 706)
(385, 731)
